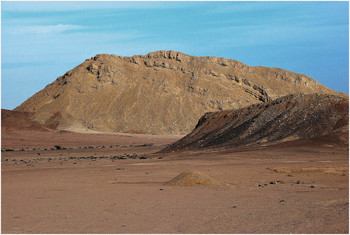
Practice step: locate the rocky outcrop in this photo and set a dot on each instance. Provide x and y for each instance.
(163, 92)
(292, 117)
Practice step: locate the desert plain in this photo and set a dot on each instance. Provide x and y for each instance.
(98, 183)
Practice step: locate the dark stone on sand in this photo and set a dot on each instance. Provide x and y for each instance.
(58, 147)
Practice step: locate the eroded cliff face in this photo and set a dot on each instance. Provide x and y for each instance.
(292, 117)
(163, 92)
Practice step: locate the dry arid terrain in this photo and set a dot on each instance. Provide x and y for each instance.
(172, 143)
(99, 183)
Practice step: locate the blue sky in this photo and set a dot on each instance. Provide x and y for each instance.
(40, 41)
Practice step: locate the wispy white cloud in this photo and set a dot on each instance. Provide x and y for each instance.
(282, 35)
(244, 7)
(45, 29)
(66, 6)
(78, 45)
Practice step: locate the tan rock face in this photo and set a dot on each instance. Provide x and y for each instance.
(163, 92)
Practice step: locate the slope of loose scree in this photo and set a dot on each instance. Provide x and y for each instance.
(163, 92)
(292, 117)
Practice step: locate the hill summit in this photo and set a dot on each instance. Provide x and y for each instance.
(163, 92)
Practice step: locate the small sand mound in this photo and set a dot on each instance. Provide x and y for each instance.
(193, 178)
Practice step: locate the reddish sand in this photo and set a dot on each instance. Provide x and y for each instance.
(280, 189)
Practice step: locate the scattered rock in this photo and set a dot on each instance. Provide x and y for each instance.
(58, 147)
(324, 115)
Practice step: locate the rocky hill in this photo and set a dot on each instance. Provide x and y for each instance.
(163, 92)
(289, 118)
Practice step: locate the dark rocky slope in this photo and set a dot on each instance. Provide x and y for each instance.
(290, 118)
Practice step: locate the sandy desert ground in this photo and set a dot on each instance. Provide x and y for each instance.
(114, 184)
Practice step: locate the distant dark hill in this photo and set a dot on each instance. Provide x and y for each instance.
(19, 121)
(163, 92)
(290, 118)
